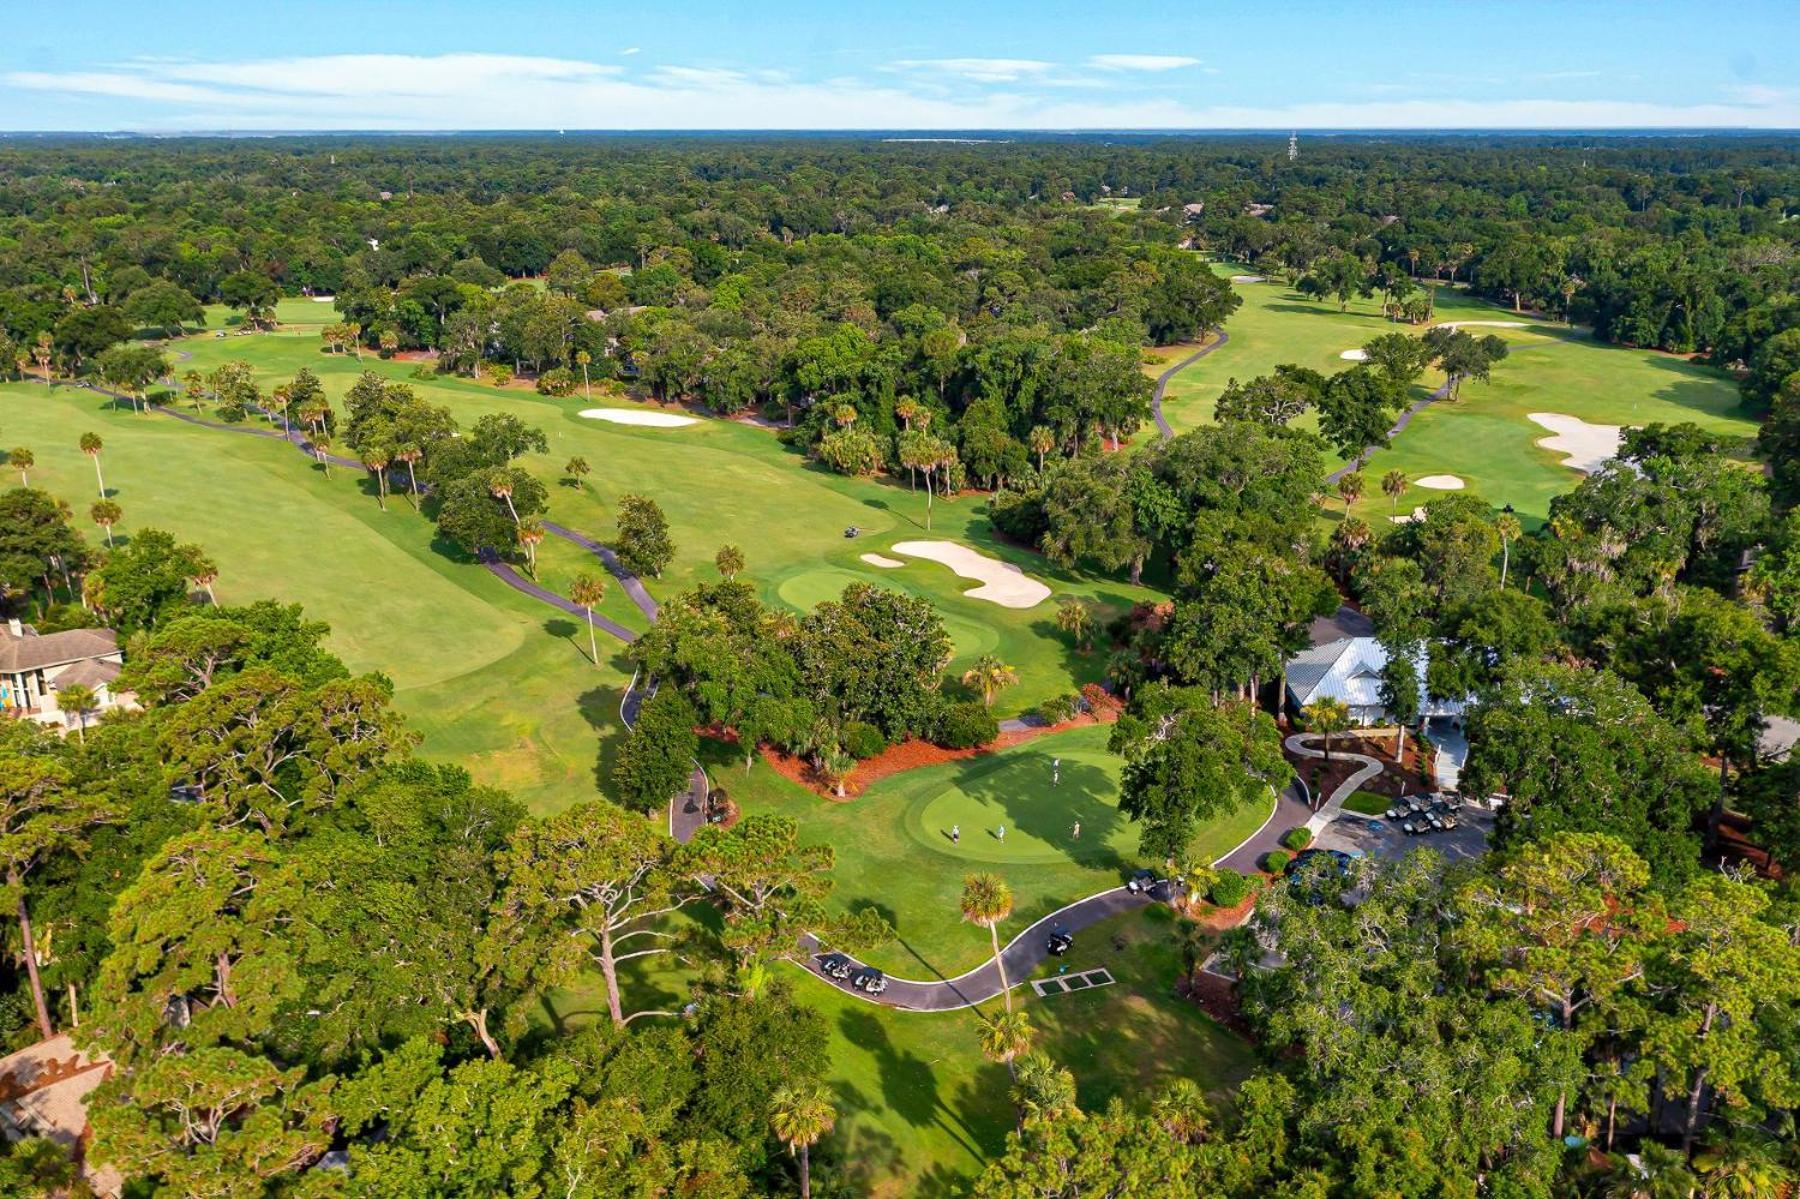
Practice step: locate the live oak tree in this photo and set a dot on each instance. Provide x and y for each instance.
(1189, 760)
(587, 888)
(658, 754)
(42, 817)
(644, 545)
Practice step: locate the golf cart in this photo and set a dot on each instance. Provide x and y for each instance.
(852, 531)
(1060, 941)
(1142, 883)
(836, 965)
(870, 981)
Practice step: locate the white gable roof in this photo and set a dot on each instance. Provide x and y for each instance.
(1349, 670)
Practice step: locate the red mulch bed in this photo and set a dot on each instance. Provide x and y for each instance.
(1217, 998)
(1392, 781)
(911, 755)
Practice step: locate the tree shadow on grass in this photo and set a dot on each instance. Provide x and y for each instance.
(909, 1088)
(599, 706)
(1048, 811)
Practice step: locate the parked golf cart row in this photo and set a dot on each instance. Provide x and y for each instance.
(1418, 814)
(866, 979)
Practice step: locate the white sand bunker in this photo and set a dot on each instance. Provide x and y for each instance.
(654, 420)
(1410, 517)
(1248, 279)
(1440, 482)
(1484, 324)
(883, 561)
(1001, 582)
(1584, 447)
(1355, 355)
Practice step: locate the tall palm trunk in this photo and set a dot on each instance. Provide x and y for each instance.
(31, 962)
(805, 1171)
(99, 478)
(1000, 964)
(593, 646)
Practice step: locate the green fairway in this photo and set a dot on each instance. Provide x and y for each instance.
(1484, 438)
(1487, 440)
(493, 679)
(725, 481)
(894, 851)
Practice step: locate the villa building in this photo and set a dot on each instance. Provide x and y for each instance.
(34, 667)
(1348, 670)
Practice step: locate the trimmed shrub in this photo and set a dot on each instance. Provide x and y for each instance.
(1297, 838)
(1229, 889)
(861, 740)
(1059, 708)
(966, 725)
(558, 381)
(1276, 860)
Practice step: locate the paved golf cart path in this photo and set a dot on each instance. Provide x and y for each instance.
(1399, 427)
(1328, 811)
(1162, 380)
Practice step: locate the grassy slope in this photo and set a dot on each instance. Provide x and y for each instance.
(894, 851)
(722, 481)
(473, 668)
(921, 1111)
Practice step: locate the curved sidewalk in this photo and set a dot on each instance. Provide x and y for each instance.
(1162, 381)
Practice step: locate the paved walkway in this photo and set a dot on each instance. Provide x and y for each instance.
(1297, 744)
(1162, 381)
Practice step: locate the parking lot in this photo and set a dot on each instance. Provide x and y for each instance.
(1380, 837)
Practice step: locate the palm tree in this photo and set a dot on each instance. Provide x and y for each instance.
(1393, 485)
(388, 340)
(1350, 488)
(375, 460)
(321, 444)
(530, 534)
(1182, 1110)
(1748, 1166)
(1659, 1173)
(106, 514)
(906, 409)
(800, 1116)
(1326, 715)
(844, 415)
(1351, 537)
(1075, 618)
(205, 575)
(90, 445)
(1122, 669)
(1004, 1038)
(588, 590)
(835, 766)
(500, 486)
(577, 469)
(1043, 1090)
(989, 676)
(986, 901)
(1042, 441)
(22, 460)
(410, 454)
(730, 561)
(77, 700)
(1507, 525)
(582, 358)
(43, 352)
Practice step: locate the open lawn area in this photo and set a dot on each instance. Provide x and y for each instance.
(494, 681)
(894, 851)
(920, 1109)
(722, 481)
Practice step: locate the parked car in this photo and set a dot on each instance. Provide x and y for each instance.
(1315, 859)
(836, 965)
(1060, 941)
(870, 981)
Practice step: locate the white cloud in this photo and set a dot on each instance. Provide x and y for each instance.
(1141, 62)
(482, 91)
(980, 70)
(630, 50)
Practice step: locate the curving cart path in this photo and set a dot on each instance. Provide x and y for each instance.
(1329, 810)
(1162, 381)
(1404, 420)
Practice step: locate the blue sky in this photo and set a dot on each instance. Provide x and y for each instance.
(976, 64)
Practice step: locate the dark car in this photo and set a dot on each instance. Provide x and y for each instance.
(836, 965)
(1313, 859)
(1060, 942)
(870, 981)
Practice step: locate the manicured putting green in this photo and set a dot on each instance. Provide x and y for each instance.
(1037, 802)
